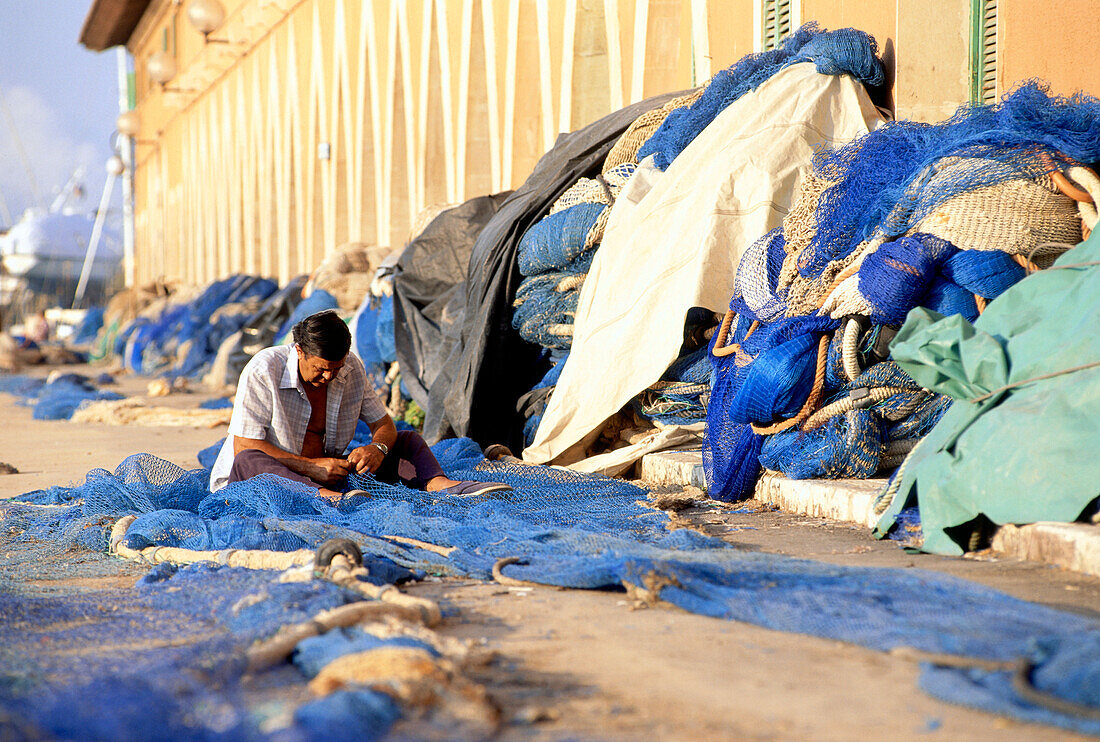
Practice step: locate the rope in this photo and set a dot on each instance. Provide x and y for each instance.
(503, 579)
(811, 401)
(841, 277)
(1024, 263)
(846, 404)
(721, 350)
(441, 550)
(1021, 678)
(848, 350)
(1051, 375)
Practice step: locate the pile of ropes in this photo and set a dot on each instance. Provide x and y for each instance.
(556, 527)
(556, 253)
(944, 216)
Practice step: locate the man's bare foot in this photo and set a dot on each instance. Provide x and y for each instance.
(331, 496)
(437, 483)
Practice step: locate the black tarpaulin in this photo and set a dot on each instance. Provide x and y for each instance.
(428, 277)
(488, 366)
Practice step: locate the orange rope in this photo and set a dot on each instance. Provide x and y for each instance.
(981, 302)
(1024, 263)
(1069, 189)
(840, 278)
(722, 350)
(811, 401)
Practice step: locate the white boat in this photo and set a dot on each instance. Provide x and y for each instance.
(48, 249)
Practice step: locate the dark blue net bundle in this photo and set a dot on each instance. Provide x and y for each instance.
(183, 339)
(846, 51)
(557, 527)
(852, 251)
(90, 324)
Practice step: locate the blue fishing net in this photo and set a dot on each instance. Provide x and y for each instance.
(882, 185)
(184, 339)
(57, 399)
(383, 332)
(318, 301)
(557, 240)
(678, 398)
(565, 528)
(164, 660)
(533, 404)
(90, 325)
(882, 180)
(846, 51)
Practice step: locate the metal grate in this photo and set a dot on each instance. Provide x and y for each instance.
(777, 19)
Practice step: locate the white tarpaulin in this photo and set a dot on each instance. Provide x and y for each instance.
(674, 239)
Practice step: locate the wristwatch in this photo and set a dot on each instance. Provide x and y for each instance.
(381, 447)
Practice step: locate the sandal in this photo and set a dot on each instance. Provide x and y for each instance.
(472, 489)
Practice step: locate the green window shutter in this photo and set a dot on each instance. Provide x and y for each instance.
(983, 52)
(777, 22)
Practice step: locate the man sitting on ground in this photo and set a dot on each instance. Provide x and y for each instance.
(296, 411)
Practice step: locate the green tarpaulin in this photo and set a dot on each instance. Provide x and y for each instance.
(1027, 453)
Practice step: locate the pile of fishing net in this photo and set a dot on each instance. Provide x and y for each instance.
(556, 253)
(944, 216)
(58, 396)
(556, 527)
(180, 335)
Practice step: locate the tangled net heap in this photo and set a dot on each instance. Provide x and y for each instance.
(556, 528)
(180, 337)
(943, 216)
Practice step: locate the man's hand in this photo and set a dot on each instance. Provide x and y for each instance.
(330, 471)
(366, 459)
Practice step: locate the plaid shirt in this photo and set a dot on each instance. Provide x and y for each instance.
(271, 405)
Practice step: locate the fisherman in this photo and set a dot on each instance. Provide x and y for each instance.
(296, 411)
(36, 330)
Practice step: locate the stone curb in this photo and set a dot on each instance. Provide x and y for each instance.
(1072, 546)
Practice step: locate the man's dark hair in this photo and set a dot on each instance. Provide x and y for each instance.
(324, 335)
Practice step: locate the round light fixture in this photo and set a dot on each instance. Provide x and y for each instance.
(206, 16)
(128, 124)
(115, 166)
(161, 67)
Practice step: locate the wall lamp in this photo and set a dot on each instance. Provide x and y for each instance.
(128, 124)
(162, 68)
(207, 16)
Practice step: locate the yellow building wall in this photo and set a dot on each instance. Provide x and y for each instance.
(323, 122)
(306, 124)
(1053, 40)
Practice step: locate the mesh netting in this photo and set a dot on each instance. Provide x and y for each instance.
(56, 399)
(182, 340)
(886, 181)
(90, 325)
(164, 660)
(866, 241)
(564, 528)
(845, 51)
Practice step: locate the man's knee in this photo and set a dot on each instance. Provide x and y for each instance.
(248, 463)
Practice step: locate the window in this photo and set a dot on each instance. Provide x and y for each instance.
(983, 51)
(777, 22)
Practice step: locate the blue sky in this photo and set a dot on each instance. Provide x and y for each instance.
(62, 100)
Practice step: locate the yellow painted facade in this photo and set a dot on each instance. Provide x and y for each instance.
(301, 125)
